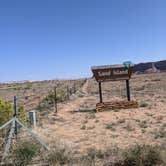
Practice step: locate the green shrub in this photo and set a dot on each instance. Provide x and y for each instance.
(6, 111)
(144, 155)
(24, 153)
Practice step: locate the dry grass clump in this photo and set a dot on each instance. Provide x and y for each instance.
(143, 104)
(138, 155)
(111, 126)
(143, 124)
(22, 154)
(160, 132)
(142, 156)
(83, 127)
(60, 154)
(129, 127)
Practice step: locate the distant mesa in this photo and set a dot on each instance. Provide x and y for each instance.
(153, 69)
(150, 67)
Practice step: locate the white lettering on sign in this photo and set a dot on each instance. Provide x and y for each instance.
(119, 72)
(106, 73)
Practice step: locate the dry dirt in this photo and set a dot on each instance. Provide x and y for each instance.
(80, 127)
(30, 94)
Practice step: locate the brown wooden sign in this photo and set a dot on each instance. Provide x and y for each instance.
(111, 73)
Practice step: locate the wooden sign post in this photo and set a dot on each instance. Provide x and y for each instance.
(113, 73)
(128, 89)
(100, 93)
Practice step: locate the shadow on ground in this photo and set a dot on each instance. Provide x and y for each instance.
(83, 111)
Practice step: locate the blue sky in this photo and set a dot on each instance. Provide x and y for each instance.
(48, 39)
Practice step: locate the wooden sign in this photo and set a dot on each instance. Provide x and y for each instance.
(112, 73)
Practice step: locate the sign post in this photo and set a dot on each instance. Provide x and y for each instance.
(114, 73)
(100, 93)
(128, 89)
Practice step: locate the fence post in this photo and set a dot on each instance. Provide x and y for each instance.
(55, 100)
(32, 118)
(74, 87)
(68, 92)
(16, 113)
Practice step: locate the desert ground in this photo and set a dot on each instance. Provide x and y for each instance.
(80, 127)
(77, 124)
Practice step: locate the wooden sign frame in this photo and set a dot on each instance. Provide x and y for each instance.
(112, 73)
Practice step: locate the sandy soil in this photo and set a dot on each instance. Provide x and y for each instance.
(78, 126)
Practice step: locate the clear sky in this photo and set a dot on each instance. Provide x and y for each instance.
(48, 39)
